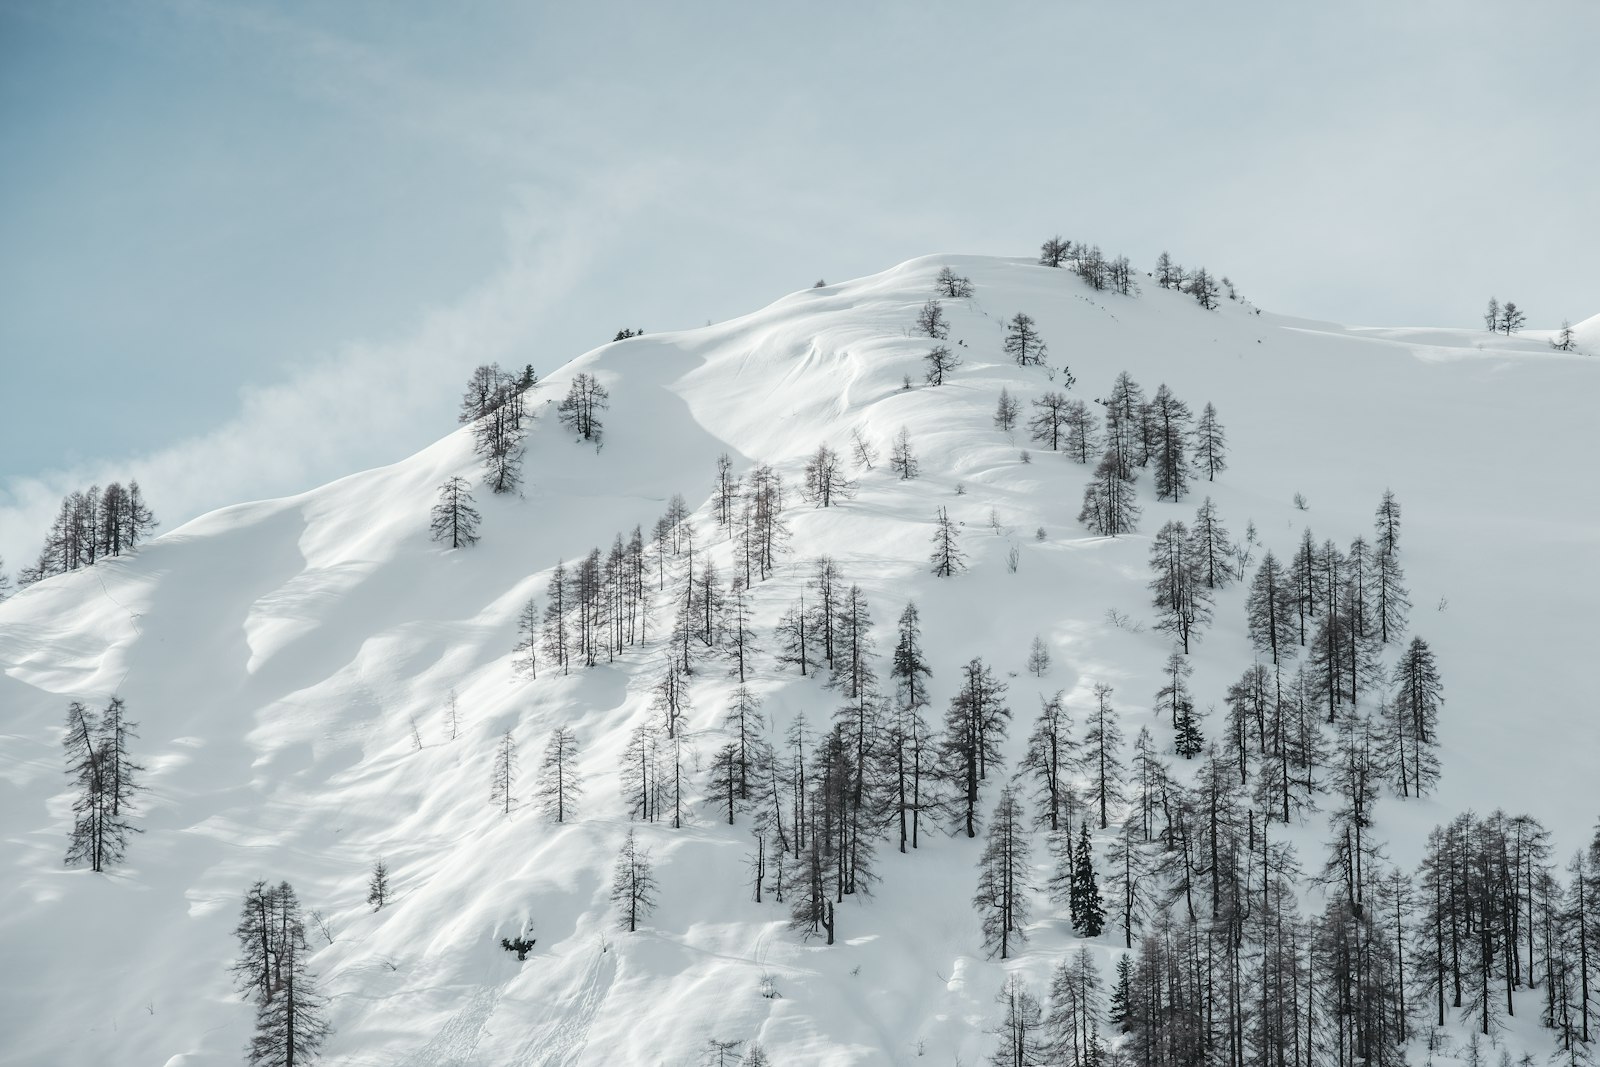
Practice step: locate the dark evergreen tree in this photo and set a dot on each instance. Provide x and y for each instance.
(378, 885)
(455, 520)
(1088, 913)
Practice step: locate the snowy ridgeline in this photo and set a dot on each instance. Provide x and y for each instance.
(975, 662)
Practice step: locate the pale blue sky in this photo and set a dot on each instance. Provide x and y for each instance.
(248, 248)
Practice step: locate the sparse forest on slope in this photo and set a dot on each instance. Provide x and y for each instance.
(772, 702)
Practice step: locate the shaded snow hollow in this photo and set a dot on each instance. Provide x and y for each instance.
(276, 652)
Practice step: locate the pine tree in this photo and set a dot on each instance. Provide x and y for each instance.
(633, 884)
(947, 557)
(1023, 342)
(505, 774)
(560, 782)
(1088, 914)
(454, 518)
(378, 885)
(1003, 877)
(1189, 742)
(1210, 444)
(1006, 411)
(1122, 992)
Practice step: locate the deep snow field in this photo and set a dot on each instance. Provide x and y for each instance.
(276, 652)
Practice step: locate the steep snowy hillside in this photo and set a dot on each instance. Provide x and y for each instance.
(277, 654)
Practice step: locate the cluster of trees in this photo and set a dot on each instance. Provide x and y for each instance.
(1097, 270)
(273, 970)
(1161, 433)
(1504, 318)
(91, 525)
(494, 407)
(106, 778)
(1198, 283)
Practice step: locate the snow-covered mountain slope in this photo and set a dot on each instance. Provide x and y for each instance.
(276, 654)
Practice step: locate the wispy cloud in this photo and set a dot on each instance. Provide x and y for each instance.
(371, 402)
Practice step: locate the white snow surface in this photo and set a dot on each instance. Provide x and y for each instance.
(275, 653)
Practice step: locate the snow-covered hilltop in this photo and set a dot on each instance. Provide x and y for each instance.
(283, 659)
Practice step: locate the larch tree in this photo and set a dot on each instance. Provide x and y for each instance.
(931, 321)
(560, 782)
(974, 727)
(580, 409)
(1049, 762)
(633, 884)
(941, 363)
(1270, 610)
(503, 780)
(1388, 596)
(1170, 419)
(1080, 438)
(1210, 455)
(455, 520)
(291, 1026)
(1020, 1031)
(525, 653)
(825, 481)
(1023, 342)
(1213, 550)
(1413, 733)
(952, 285)
(1102, 754)
(1055, 251)
(901, 459)
(1006, 410)
(1003, 877)
(1108, 500)
(1179, 593)
(947, 557)
(1049, 425)
(1038, 657)
(104, 772)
